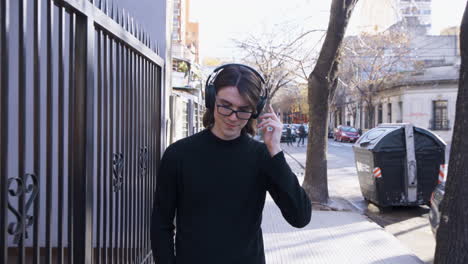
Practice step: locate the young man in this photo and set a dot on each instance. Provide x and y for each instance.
(214, 183)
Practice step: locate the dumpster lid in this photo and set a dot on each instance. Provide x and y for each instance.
(372, 138)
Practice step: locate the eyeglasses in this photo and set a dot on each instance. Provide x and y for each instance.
(226, 111)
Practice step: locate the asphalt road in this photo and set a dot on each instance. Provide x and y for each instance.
(409, 224)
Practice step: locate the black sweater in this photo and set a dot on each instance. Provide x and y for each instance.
(217, 189)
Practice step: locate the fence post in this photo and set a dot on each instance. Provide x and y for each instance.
(83, 140)
(4, 34)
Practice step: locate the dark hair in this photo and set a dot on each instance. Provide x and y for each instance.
(249, 86)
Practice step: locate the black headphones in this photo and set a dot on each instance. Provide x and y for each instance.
(210, 90)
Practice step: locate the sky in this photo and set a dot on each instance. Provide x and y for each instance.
(221, 21)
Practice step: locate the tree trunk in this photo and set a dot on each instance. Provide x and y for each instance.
(321, 85)
(452, 235)
(370, 116)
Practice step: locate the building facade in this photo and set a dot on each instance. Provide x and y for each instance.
(426, 100)
(421, 91)
(186, 99)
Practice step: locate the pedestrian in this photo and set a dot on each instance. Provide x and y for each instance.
(214, 183)
(289, 139)
(302, 134)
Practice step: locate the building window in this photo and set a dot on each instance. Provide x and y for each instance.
(400, 112)
(440, 115)
(379, 114)
(389, 112)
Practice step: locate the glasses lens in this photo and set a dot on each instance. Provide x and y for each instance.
(224, 110)
(244, 115)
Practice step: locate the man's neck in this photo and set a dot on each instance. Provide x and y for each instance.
(221, 135)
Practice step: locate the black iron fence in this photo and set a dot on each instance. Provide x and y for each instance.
(80, 102)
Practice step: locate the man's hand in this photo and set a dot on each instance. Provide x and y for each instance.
(272, 129)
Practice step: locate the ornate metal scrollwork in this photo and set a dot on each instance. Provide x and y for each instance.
(15, 228)
(117, 169)
(143, 161)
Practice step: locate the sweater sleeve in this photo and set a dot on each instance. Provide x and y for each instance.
(284, 188)
(164, 207)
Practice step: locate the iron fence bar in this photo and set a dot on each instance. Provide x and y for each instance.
(154, 134)
(142, 159)
(105, 143)
(130, 161)
(137, 158)
(140, 154)
(61, 172)
(150, 158)
(159, 102)
(111, 146)
(83, 139)
(36, 129)
(153, 149)
(127, 155)
(123, 74)
(150, 142)
(133, 159)
(99, 166)
(114, 178)
(134, 155)
(124, 151)
(145, 167)
(118, 148)
(21, 129)
(112, 28)
(4, 135)
(146, 136)
(71, 129)
(49, 103)
(145, 179)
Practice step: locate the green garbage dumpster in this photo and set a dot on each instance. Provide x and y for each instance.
(398, 164)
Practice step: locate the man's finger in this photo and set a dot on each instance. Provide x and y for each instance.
(274, 113)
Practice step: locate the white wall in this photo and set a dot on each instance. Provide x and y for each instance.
(418, 105)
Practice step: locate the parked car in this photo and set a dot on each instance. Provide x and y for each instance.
(346, 133)
(436, 199)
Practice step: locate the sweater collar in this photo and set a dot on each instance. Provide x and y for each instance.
(239, 139)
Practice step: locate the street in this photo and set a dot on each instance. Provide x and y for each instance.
(409, 224)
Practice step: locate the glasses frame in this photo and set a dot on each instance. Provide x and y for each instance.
(233, 111)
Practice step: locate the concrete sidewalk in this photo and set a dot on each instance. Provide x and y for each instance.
(331, 237)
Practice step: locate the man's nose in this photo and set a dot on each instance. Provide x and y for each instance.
(233, 117)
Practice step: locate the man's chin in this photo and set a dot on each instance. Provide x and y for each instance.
(230, 132)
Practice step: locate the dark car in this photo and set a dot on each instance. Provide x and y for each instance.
(436, 199)
(346, 133)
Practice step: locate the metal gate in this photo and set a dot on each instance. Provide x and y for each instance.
(80, 102)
